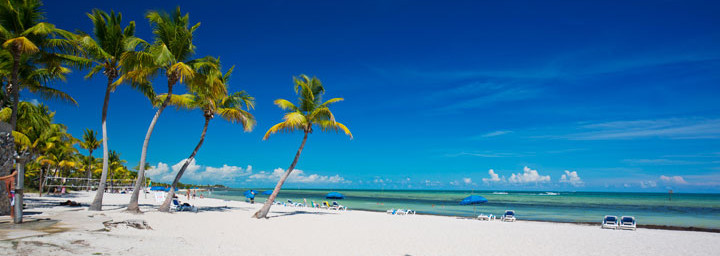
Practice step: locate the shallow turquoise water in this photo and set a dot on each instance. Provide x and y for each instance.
(684, 210)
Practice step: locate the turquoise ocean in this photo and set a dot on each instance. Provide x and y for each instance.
(681, 210)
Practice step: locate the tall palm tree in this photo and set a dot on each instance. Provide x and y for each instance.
(229, 107)
(312, 111)
(90, 143)
(117, 165)
(169, 53)
(28, 39)
(105, 48)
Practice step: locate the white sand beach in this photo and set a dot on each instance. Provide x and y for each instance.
(226, 228)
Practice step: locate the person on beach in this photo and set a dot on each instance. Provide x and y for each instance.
(10, 188)
(187, 192)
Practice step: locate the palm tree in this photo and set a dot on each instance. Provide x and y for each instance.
(105, 48)
(28, 40)
(229, 107)
(117, 165)
(170, 52)
(90, 143)
(312, 111)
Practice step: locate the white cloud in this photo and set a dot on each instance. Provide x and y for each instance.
(648, 184)
(494, 177)
(495, 133)
(228, 174)
(571, 178)
(528, 176)
(467, 181)
(195, 173)
(673, 179)
(673, 128)
(297, 176)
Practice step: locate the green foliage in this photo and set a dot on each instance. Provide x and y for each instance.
(312, 111)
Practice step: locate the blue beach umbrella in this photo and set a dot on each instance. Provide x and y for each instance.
(157, 188)
(473, 200)
(267, 192)
(334, 195)
(250, 193)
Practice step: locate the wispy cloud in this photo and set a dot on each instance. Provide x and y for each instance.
(487, 154)
(659, 162)
(674, 128)
(494, 134)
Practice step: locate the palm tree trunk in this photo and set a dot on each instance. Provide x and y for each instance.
(165, 207)
(262, 213)
(97, 201)
(15, 89)
(40, 183)
(133, 205)
(89, 170)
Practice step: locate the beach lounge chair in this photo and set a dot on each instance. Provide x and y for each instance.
(325, 205)
(627, 222)
(610, 221)
(178, 207)
(401, 212)
(509, 216)
(483, 217)
(337, 206)
(410, 212)
(391, 211)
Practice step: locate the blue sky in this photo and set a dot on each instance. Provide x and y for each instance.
(614, 95)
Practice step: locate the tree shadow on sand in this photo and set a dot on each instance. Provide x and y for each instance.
(298, 213)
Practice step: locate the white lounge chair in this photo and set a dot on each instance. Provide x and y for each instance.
(391, 211)
(336, 206)
(610, 221)
(627, 222)
(401, 212)
(410, 212)
(486, 217)
(509, 216)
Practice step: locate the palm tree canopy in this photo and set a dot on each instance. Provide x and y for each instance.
(89, 140)
(209, 93)
(312, 111)
(170, 51)
(107, 45)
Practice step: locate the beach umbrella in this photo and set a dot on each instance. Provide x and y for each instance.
(250, 193)
(157, 188)
(334, 195)
(473, 200)
(267, 192)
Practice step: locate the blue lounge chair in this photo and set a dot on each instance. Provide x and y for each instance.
(610, 221)
(628, 222)
(509, 216)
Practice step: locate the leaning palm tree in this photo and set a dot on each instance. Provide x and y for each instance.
(229, 107)
(169, 54)
(105, 48)
(312, 111)
(90, 143)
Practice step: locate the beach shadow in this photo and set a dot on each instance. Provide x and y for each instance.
(299, 213)
(220, 208)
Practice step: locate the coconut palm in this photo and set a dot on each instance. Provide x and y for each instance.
(30, 41)
(105, 48)
(229, 107)
(90, 143)
(170, 54)
(312, 111)
(117, 166)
